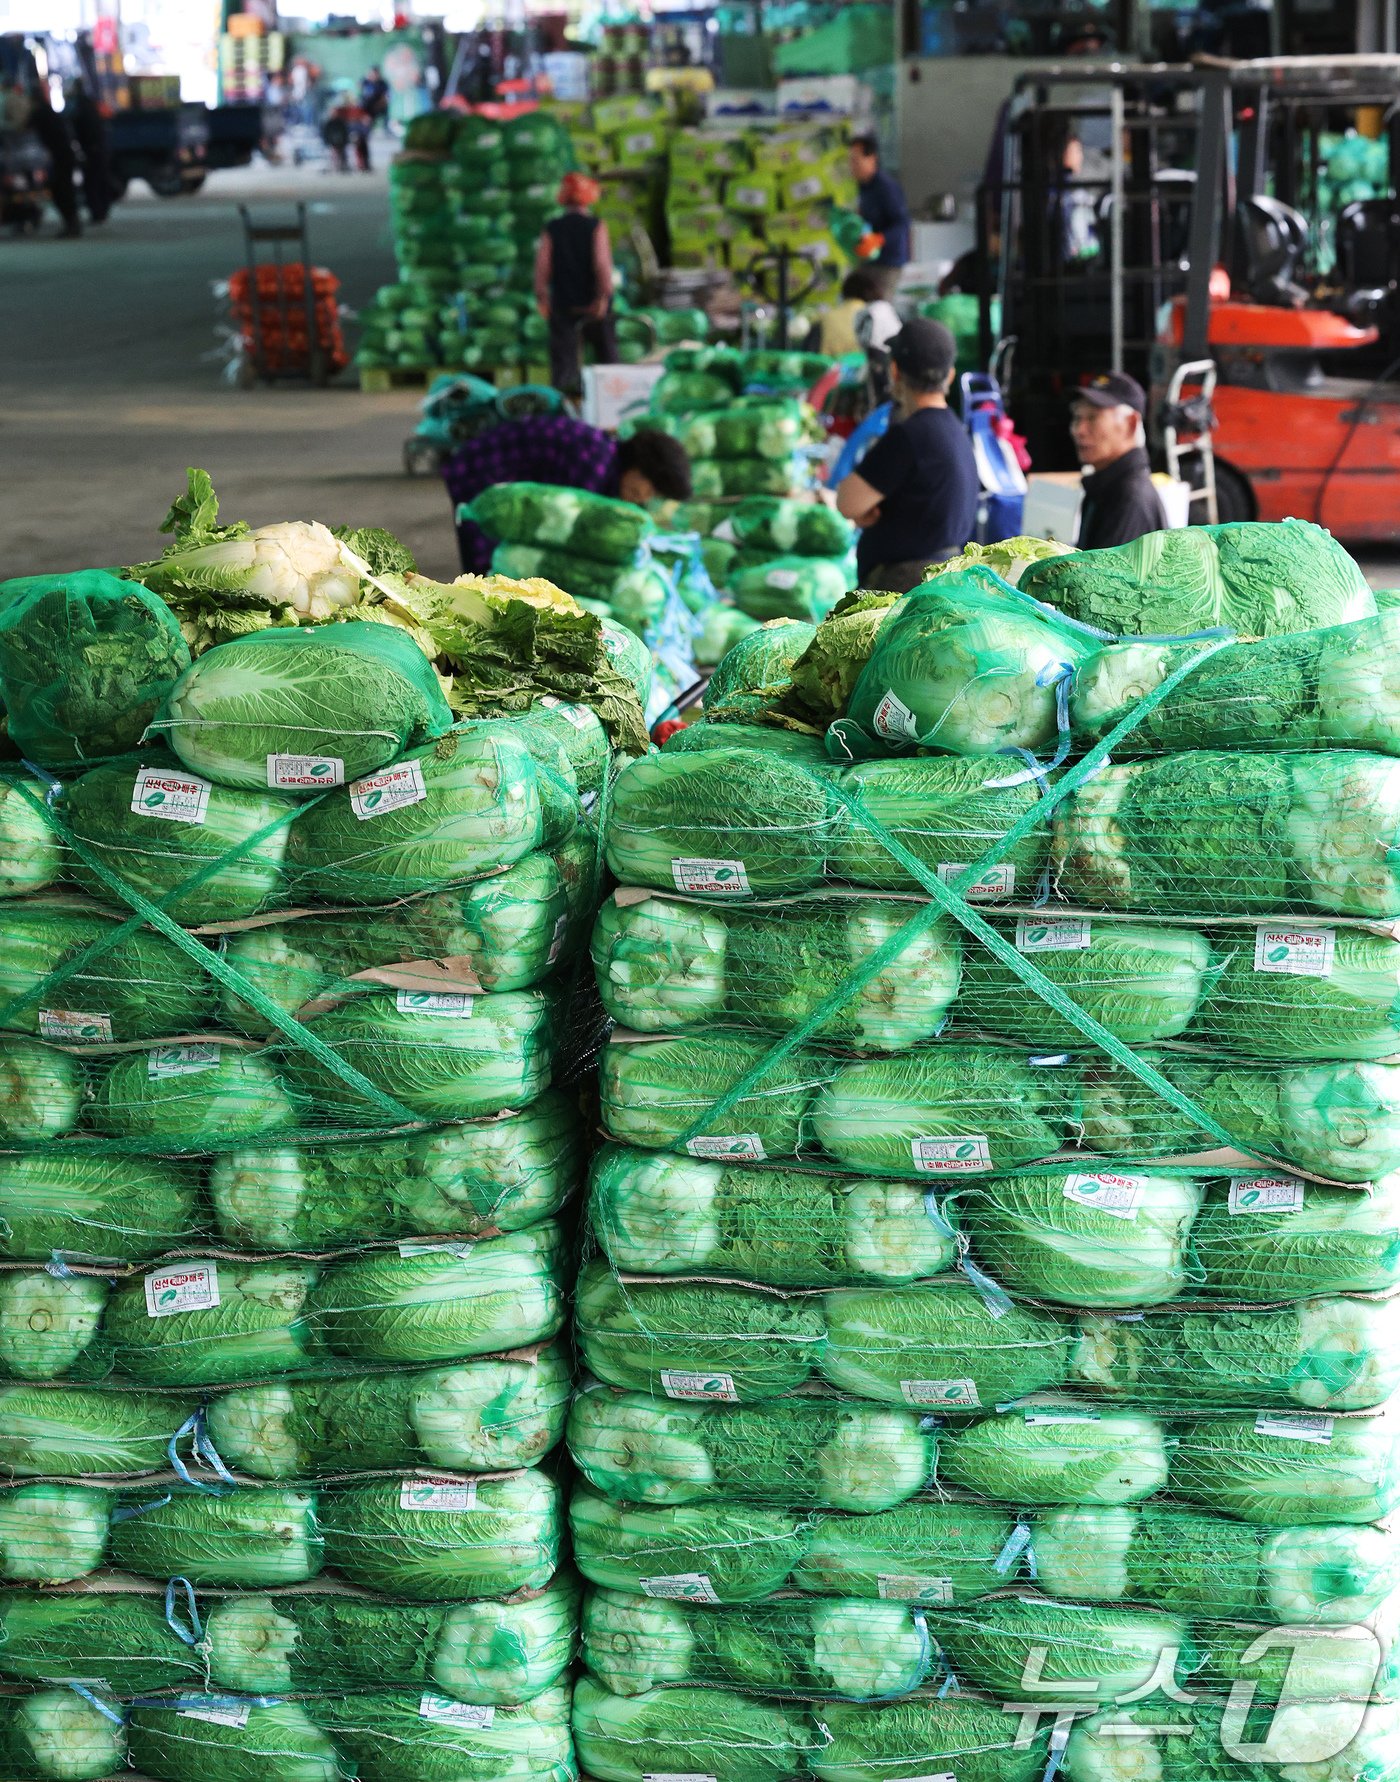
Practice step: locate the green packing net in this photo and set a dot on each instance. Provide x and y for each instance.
(756, 670)
(1260, 580)
(488, 1651)
(942, 1344)
(811, 1451)
(1328, 689)
(853, 1649)
(85, 660)
(598, 527)
(803, 528)
(206, 1321)
(770, 430)
(716, 478)
(789, 587)
(215, 1738)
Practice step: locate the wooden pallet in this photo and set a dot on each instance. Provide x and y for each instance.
(376, 379)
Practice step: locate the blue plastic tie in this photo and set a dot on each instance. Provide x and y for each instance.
(203, 1448)
(192, 1632)
(1016, 1543)
(993, 1295)
(125, 1512)
(950, 1683)
(57, 1267)
(113, 1714)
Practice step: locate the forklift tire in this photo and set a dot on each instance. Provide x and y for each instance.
(166, 182)
(1234, 499)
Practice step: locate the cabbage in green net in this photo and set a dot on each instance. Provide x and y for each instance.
(652, 1092)
(756, 669)
(121, 1642)
(916, 1736)
(1277, 1469)
(1018, 1648)
(192, 1097)
(86, 1432)
(1349, 1012)
(426, 1542)
(468, 1179)
(256, 1324)
(303, 708)
(1058, 1454)
(669, 1731)
(768, 523)
(921, 1552)
(709, 1552)
(599, 527)
(859, 1650)
(723, 734)
(803, 1452)
(154, 825)
(476, 1416)
(656, 1214)
(57, 1735)
(1268, 1237)
(31, 855)
(51, 1534)
(253, 1537)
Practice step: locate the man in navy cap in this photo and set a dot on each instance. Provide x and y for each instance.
(1120, 502)
(915, 493)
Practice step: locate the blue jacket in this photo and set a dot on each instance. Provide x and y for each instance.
(883, 207)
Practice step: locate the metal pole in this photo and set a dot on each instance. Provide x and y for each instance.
(1211, 152)
(1115, 228)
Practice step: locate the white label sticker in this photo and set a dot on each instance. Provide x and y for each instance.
(750, 197)
(996, 881)
(453, 1004)
(942, 1776)
(1067, 935)
(577, 715)
(893, 720)
(460, 1251)
(450, 1713)
(421, 1494)
(1107, 1193)
(1265, 1194)
(182, 1287)
(717, 878)
(951, 1156)
(1295, 1429)
(681, 1587)
(173, 797)
(305, 773)
(1059, 1416)
(781, 578)
(181, 1061)
(388, 790)
(801, 189)
(1299, 952)
(675, 1776)
(907, 1587)
(940, 1392)
(73, 1025)
(218, 1713)
(738, 1147)
(643, 143)
(677, 1383)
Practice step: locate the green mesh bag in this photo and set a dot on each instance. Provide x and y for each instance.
(598, 527)
(668, 1731)
(717, 478)
(801, 528)
(756, 670)
(1257, 579)
(1331, 688)
(916, 1737)
(789, 587)
(301, 709)
(85, 660)
(769, 430)
(860, 1650)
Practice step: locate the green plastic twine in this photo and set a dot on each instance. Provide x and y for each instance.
(947, 899)
(152, 915)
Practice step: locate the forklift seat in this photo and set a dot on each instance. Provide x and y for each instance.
(1368, 258)
(1273, 238)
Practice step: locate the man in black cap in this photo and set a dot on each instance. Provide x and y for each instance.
(915, 494)
(1120, 502)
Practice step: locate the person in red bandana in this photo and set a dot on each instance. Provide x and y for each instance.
(573, 284)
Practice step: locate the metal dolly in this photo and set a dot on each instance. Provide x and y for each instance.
(275, 236)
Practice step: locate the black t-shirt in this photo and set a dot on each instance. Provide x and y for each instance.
(927, 478)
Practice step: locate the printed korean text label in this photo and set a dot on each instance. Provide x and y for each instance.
(217, 1712)
(681, 1587)
(961, 1155)
(391, 789)
(908, 1587)
(940, 1392)
(987, 887)
(181, 1061)
(173, 797)
(182, 1287)
(74, 1027)
(450, 1713)
(1316, 1429)
(1265, 1194)
(711, 878)
(422, 1494)
(1066, 934)
(450, 1004)
(734, 1147)
(305, 773)
(690, 1384)
(893, 720)
(1295, 952)
(1107, 1192)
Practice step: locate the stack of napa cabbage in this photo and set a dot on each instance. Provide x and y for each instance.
(283, 1016)
(935, 1333)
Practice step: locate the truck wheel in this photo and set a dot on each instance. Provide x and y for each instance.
(167, 182)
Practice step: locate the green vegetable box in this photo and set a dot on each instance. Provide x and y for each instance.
(296, 877)
(991, 1270)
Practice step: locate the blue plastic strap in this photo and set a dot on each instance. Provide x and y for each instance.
(124, 1512)
(57, 1267)
(191, 1632)
(993, 1295)
(936, 1216)
(950, 1685)
(203, 1448)
(1016, 1543)
(115, 1715)
(1059, 1738)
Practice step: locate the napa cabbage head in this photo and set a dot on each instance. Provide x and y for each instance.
(756, 670)
(47, 1322)
(726, 1552)
(41, 1091)
(58, 1735)
(1257, 1241)
(83, 1431)
(1058, 1454)
(668, 1731)
(1063, 1238)
(51, 1534)
(1008, 558)
(258, 1326)
(30, 852)
(192, 1097)
(1019, 1648)
(1268, 1469)
(342, 700)
(253, 1537)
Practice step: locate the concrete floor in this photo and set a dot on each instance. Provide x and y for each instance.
(109, 383)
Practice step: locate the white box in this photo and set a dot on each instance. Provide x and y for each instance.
(1053, 498)
(613, 393)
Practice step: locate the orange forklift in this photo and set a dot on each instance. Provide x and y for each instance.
(1198, 256)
